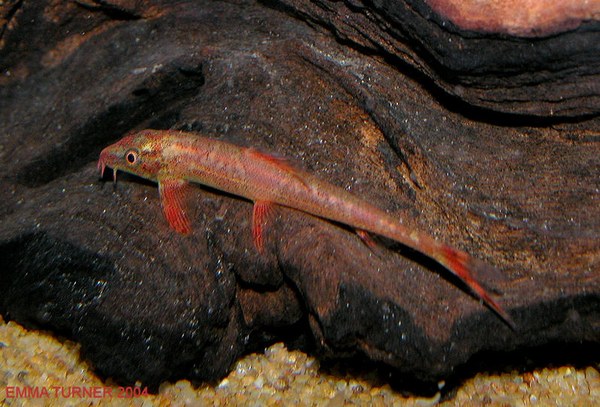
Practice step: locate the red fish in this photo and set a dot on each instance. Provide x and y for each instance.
(173, 159)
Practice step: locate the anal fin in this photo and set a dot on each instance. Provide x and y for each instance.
(366, 238)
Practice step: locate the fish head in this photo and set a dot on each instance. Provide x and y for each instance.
(138, 153)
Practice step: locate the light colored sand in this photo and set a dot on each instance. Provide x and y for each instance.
(278, 377)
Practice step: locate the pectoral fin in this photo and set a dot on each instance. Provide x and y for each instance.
(259, 216)
(173, 194)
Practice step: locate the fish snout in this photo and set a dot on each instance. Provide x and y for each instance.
(102, 163)
(105, 161)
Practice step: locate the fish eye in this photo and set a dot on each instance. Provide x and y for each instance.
(131, 156)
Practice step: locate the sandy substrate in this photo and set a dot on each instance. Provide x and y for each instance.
(38, 369)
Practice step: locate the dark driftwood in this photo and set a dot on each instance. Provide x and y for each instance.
(486, 141)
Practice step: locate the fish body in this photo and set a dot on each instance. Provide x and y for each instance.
(173, 159)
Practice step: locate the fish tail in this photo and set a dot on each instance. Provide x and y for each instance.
(459, 263)
(464, 267)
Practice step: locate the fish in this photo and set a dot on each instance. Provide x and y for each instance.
(175, 159)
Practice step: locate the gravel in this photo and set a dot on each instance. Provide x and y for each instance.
(34, 360)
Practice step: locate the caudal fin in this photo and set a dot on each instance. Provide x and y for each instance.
(464, 266)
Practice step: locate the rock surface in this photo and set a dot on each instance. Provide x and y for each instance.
(487, 141)
(528, 18)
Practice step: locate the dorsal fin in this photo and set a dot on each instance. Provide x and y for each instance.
(283, 163)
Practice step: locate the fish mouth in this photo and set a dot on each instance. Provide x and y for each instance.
(104, 162)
